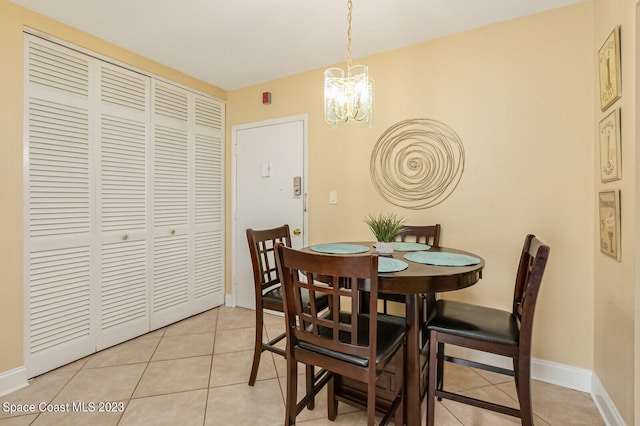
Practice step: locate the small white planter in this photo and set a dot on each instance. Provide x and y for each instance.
(384, 248)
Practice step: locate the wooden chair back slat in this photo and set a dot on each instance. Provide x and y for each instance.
(261, 247)
(341, 278)
(428, 234)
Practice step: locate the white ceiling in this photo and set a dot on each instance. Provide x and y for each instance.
(237, 43)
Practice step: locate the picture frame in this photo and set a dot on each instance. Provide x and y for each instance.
(610, 155)
(609, 207)
(609, 70)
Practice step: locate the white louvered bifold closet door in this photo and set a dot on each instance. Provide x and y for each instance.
(171, 195)
(58, 200)
(122, 204)
(188, 203)
(209, 203)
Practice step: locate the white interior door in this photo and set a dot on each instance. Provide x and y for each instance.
(270, 190)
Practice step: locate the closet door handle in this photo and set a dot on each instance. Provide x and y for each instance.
(125, 237)
(173, 232)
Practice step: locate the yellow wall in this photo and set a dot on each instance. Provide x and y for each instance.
(12, 21)
(520, 95)
(10, 189)
(616, 282)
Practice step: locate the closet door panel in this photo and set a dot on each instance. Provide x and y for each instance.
(59, 179)
(124, 309)
(170, 200)
(209, 162)
(59, 326)
(122, 204)
(57, 69)
(171, 273)
(208, 204)
(124, 136)
(170, 178)
(208, 270)
(58, 199)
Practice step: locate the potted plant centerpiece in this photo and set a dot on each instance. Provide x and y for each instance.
(385, 228)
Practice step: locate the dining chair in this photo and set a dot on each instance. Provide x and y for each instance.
(430, 235)
(425, 234)
(490, 330)
(341, 340)
(268, 292)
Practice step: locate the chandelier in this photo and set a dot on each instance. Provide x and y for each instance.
(348, 100)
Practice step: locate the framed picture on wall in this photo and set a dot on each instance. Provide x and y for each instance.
(609, 66)
(609, 206)
(610, 157)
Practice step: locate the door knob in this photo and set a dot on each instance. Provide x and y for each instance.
(296, 231)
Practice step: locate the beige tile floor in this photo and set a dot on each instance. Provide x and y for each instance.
(195, 372)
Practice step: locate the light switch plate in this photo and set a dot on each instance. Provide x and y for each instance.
(333, 197)
(265, 168)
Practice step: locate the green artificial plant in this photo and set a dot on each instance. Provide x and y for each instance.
(385, 227)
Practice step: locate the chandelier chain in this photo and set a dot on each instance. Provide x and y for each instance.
(350, 8)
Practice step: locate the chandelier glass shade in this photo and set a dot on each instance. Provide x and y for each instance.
(348, 99)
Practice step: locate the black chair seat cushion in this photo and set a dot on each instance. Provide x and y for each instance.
(475, 322)
(391, 334)
(275, 295)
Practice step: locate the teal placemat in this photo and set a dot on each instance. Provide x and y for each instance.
(401, 246)
(339, 248)
(388, 264)
(441, 258)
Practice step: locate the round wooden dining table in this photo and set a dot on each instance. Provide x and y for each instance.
(416, 280)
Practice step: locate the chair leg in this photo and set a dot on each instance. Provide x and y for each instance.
(432, 378)
(332, 402)
(523, 381)
(400, 366)
(371, 402)
(440, 365)
(257, 348)
(291, 398)
(310, 379)
(427, 305)
(516, 375)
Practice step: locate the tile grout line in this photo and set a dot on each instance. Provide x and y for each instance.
(141, 376)
(213, 350)
(75, 373)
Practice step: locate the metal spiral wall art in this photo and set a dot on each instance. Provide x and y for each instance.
(417, 163)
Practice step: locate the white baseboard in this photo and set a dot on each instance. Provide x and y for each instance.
(554, 373)
(562, 375)
(230, 300)
(607, 408)
(545, 371)
(13, 380)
